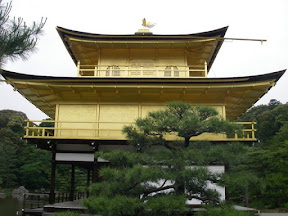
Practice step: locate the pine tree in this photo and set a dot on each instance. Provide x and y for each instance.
(161, 175)
(17, 39)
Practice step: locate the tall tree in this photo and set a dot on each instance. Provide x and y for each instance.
(161, 176)
(265, 162)
(17, 39)
(11, 131)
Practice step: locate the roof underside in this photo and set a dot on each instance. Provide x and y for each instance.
(237, 94)
(199, 47)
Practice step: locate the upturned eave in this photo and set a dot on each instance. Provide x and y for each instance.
(237, 94)
(79, 44)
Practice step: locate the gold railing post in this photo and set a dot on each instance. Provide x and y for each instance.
(78, 69)
(95, 71)
(126, 71)
(236, 135)
(27, 127)
(205, 68)
(157, 71)
(253, 130)
(43, 132)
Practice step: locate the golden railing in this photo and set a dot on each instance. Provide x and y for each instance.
(113, 131)
(170, 71)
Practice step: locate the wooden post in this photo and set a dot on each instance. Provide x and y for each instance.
(88, 181)
(71, 195)
(52, 178)
(226, 169)
(95, 176)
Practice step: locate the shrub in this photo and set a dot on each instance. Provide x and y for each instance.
(223, 210)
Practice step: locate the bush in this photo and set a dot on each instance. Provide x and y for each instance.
(166, 205)
(68, 213)
(223, 210)
(113, 206)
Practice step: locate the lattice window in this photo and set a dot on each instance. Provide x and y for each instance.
(171, 70)
(113, 71)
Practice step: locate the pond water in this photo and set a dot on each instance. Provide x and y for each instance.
(9, 206)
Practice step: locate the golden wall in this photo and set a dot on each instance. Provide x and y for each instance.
(105, 120)
(152, 61)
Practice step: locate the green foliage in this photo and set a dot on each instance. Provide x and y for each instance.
(11, 132)
(179, 119)
(114, 206)
(8, 192)
(160, 177)
(35, 172)
(16, 38)
(270, 118)
(134, 188)
(68, 213)
(262, 175)
(170, 205)
(223, 210)
(123, 159)
(272, 166)
(20, 163)
(282, 135)
(24, 164)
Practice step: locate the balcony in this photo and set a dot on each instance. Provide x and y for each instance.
(112, 131)
(139, 70)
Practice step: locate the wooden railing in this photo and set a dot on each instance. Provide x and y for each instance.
(248, 130)
(112, 131)
(33, 203)
(35, 200)
(168, 71)
(38, 200)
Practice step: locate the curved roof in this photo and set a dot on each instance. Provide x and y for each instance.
(237, 94)
(200, 47)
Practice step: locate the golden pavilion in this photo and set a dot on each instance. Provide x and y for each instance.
(123, 77)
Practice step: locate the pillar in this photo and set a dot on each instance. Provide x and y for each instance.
(71, 195)
(52, 178)
(95, 175)
(88, 181)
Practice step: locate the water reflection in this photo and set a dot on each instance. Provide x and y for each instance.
(9, 206)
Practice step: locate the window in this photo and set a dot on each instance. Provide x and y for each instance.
(171, 71)
(113, 71)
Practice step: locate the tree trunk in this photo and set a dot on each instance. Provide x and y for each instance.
(246, 196)
(187, 141)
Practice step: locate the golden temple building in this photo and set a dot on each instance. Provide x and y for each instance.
(120, 78)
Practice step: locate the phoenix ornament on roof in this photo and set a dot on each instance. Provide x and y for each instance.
(147, 24)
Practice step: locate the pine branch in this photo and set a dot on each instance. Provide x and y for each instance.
(155, 190)
(17, 39)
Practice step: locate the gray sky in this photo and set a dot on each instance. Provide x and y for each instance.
(257, 19)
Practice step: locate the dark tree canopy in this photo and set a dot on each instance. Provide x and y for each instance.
(11, 131)
(17, 39)
(270, 119)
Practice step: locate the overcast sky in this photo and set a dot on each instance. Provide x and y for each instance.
(255, 19)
